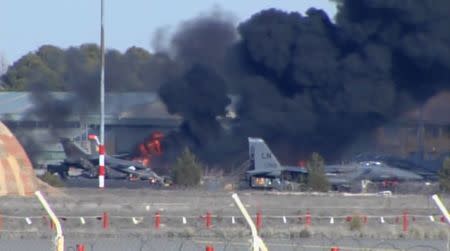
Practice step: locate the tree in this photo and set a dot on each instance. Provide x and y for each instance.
(77, 69)
(444, 175)
(53, 57)
(29, 70)
(187, 170)
(317, 181)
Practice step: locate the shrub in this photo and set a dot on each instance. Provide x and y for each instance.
(305, 233)
(355, 223)
(187, 171)
(317, 181)
(52, 180)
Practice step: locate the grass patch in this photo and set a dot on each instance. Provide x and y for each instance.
(355, 223)
(52, 180)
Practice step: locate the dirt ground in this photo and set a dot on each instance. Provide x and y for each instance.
(183, 214)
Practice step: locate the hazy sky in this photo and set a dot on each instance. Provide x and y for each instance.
(27, 24)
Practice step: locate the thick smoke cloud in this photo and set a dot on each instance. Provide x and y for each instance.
(307, 83)
(75, 71)
(188, 95)
(324, 96)
(204, 40)
(198, 91)
(413, 32)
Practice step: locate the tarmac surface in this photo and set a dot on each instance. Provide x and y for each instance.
(131, 219)
(313, 244)
(75, 182)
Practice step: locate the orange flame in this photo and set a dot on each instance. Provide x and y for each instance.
(150, 148)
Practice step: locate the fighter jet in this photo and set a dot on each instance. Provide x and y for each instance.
(77, 157)
(426, 168)
(267, 170)
(347, 175)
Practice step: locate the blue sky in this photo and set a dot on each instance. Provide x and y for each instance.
(25, 25)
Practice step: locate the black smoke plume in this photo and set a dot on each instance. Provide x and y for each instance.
(198, 91)
(308, 83)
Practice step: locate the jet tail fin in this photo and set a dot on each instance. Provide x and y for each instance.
(73, 150)
(261, 157)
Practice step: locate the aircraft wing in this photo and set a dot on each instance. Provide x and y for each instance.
(132, 167)
(393, 173)
(294, 169)
(379, 171)
(338, 180)
(122, 163)
(276, 172)
(265, 172)
(121, 156)
(344, 168)
(143, 174)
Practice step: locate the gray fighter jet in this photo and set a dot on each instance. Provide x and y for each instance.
(116, 167)
(267, 170)
(347, 175)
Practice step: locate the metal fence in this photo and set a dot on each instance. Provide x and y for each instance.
(226, 233)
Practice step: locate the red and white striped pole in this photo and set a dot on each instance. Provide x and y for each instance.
(101, 166)
(101, 150)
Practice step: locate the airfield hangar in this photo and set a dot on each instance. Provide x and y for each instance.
(129, 118)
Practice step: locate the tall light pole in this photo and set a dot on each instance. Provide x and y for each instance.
(101, 150)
